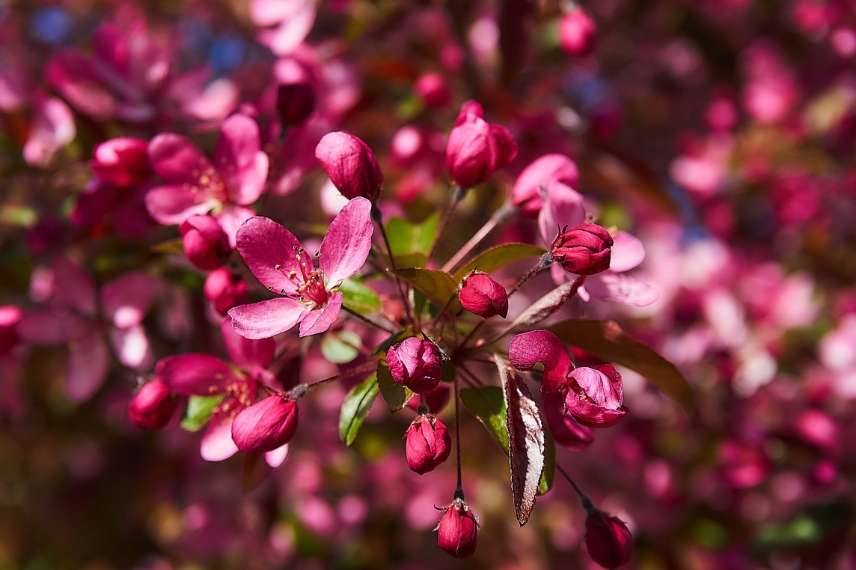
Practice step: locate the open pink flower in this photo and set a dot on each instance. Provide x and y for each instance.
(284, 23)
(234, 179)
(308, 293)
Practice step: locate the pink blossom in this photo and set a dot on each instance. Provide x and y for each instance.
(232, 180)
(308, 293)
(284, 23)
(527, 191)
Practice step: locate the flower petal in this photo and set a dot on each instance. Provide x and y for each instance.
(276, 457)
(172, 204)
(175, 159)
(239, 160)
(231, 219)
(627, 252)
(50, 326)
(194, 374)
(621, 288)
(270, 251)
(266, 318)
(126, 299)
(217, 444)
(88, 361)
(348, 241)
(531, 348)
(244, 351)
(53, 128)
(320, 320)
(563, 206)
(132, 347)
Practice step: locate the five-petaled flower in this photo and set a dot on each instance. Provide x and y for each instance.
(281, 263)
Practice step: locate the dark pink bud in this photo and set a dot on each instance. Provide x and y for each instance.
(435, 400)
(266, 425)
(433, 90)
(225, 289)
(122, 161)
(595, 396)
(10, 316)
(577, 33)
(426, 443)
(584, 249)
(457, 531)
(565, 429)
(350, 164)
(817, 428)
(483, 296)
(608, 540)
(415, 363)
(152, 406)
(476, 149)
(294, 102)
(205, 243)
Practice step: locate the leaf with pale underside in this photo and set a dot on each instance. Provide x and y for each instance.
(438, 286)
(358, 297)
(608, 341)
(545, 306)
(526, 440)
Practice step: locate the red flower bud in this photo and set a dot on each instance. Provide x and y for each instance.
(577, 33)
(565, 429)
(433, 90)
(415, 363)
(122, 161)
(584, 249)
(427, 443)
(10, 316)
(266, 425)
(435, 400)
(152, 406)
(608, 540)
(294, 102)
(350, 164)
(476, 149)
(595, 397)
(224, 289)
(483, 296)
(205, 243)
(457, 531)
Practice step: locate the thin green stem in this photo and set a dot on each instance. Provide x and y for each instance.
(367, 320)
(376, 215)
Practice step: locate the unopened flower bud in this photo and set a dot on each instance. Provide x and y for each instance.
(10, 316)
(152, 406)
(122, 162)
(595, 396)
(205, 243)
(577, 33)
(433, 90)
(567, 431)
(350, 164)
(415, 363)
(457, 531)
(224, 289)
(435, 400)
(483, 296)
(608, 540)
(266, 425)
(427, 443)
(584, 249)
(295, 102)
(476, 149)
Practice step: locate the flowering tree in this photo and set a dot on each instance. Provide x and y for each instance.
(382, 261)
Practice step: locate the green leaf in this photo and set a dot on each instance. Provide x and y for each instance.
(411, 242)
(358, 297)
(498, 257)
(607, 341)
(487, 404)
(341, 347)
(438, 286)
(199, 411)
(395, 395)
(355, 408)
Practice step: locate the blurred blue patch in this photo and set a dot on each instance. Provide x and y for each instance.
(51, 25)
(226, 53)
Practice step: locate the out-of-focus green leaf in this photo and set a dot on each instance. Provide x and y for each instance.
(438, 286)
(199, 411)
(411, 242)
(358, 297)
(341, 347)
(355, 408)
(607, 340)
(395, 395)
(498, 257)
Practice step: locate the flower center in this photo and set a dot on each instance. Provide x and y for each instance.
(309, 280)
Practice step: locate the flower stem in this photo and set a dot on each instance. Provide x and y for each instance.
(497, 218)
(376, 215)
(368, 321)
(457, 196)
(543, 263)
(301, 389)
(584, 500)
(459, 488)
